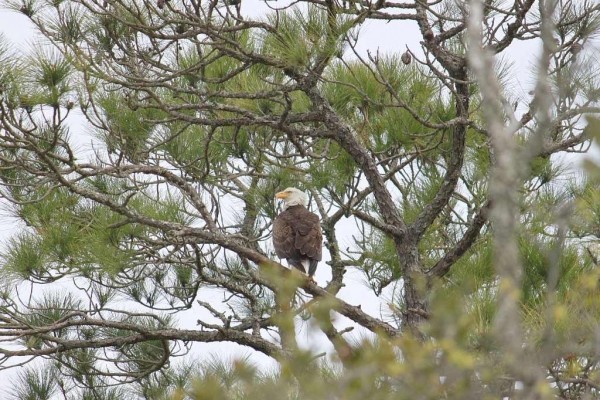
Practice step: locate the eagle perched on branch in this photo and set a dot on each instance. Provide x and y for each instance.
(297, 233)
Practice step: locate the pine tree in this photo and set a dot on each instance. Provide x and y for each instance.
(141, 146)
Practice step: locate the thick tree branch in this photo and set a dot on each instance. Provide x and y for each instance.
(344, 135)
(223, 335)
(442, 267)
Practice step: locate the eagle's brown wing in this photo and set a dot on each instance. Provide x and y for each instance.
(309, 239)
(283, 236)
(297, 236)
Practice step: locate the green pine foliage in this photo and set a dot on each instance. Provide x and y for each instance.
(322, 36)
(36, 385)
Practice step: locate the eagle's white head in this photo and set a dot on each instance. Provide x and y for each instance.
(292, 197)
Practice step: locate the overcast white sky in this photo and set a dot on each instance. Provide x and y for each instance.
(391, 37)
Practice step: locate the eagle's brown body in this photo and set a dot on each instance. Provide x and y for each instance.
(297, 237)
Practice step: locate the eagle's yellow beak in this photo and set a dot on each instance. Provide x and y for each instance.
(281, 195)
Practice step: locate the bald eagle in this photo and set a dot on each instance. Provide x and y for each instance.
(297, 233)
